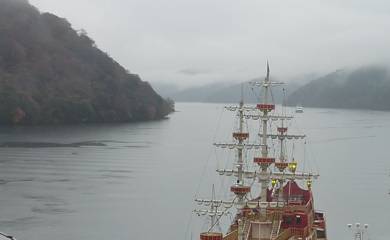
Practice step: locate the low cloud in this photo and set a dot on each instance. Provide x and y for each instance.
(200, 41)
(194, 71)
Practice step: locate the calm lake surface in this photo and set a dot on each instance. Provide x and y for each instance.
(140, 180)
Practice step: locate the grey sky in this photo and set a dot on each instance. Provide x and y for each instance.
(190, 42)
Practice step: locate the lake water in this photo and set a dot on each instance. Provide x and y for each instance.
(140, 183)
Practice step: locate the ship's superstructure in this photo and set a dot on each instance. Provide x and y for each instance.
(284, 207)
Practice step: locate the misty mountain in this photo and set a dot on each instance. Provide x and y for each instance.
(229, 93)
(364, 88)
(198, 94)
(165, 89)
(51, 73)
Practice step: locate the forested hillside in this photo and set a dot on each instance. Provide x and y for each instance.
(50, 74)
(364, 88)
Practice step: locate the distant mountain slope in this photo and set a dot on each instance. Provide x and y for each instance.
(227, 93)
(198, 94)
(50, 73)
(165, 89)
(364, 88)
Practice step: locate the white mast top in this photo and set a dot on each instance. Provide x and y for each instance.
(264, 150)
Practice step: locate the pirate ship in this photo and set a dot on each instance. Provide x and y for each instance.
(283, 209)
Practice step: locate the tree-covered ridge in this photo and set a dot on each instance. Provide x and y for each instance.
(364, 88)
(50, 73)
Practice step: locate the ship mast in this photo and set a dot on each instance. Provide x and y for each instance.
(282, 130)
(282, 164)
(239, 189)
(264, 149)
(265, 161)
(240, 160)
(213, 208)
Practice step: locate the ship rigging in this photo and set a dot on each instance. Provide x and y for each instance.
(283, 210)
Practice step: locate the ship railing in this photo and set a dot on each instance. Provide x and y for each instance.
(247, 229)
(285, 235)
(301, 232)
(295, 199)
(275, 228)
(256, 116)
(309, 202)
(313, 234)
(290, 208)
(233, 235)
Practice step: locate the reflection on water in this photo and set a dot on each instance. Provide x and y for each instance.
(137, 181)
